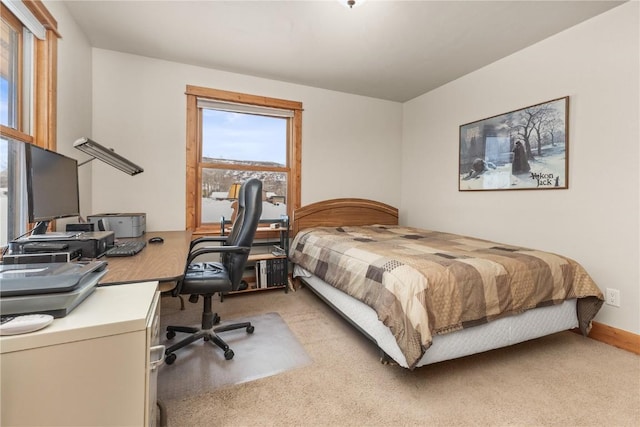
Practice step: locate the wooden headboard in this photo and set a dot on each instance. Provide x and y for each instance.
(343, 212)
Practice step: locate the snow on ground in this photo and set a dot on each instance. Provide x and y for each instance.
(544, 172)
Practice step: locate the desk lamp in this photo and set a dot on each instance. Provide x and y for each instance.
(107, 155)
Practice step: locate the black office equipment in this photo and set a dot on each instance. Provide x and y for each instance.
(83, 226)
(40, 257)
(126, 248)
(208, 278)
(90, 244)
(33, 247)
(52, 186)
(156, 239)
(53, 288)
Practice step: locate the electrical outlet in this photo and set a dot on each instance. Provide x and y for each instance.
(612, 297)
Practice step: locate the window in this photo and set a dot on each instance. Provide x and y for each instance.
(28, 46)
(232, 137)
(10, 82)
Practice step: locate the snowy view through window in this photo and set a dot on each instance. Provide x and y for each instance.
(217, 200)
(242, 146)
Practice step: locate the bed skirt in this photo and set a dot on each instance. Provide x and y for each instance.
(499, 333)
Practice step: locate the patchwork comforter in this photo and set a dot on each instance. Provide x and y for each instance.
(422, 283)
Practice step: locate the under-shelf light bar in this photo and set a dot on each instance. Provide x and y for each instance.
(107, 155)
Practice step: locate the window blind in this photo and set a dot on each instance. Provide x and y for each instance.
(243, 108)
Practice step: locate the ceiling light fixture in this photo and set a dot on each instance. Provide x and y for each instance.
(107, 155)
(351, 3)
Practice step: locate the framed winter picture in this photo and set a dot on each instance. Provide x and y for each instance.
(525, 149)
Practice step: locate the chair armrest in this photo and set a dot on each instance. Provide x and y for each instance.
(217, 249)
(205, 239)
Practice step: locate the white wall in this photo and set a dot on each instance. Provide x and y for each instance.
(595, 221)
(350, 144)
(74, 95)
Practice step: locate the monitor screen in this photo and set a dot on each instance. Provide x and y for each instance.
(52, 185)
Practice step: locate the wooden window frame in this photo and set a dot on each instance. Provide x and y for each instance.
(45, 84)
(194, 150)
(18, 27)
(43, 128)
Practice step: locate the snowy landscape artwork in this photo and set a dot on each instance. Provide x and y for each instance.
(525, 149)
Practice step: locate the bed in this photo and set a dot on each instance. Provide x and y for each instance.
(425, 296)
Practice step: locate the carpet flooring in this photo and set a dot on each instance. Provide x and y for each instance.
(560, 380)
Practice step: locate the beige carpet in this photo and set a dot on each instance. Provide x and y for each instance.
(563, 380)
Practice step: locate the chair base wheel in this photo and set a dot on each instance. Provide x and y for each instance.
(170, 358)
(206, 334)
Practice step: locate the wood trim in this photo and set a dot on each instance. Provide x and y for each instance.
(46, 92)
(15, 134)
(223, 95)
(295, 161)
(343, 212)
(192, 162)
(43, 15)
(615, 337)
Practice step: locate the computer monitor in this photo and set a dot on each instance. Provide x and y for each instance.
(52, 187)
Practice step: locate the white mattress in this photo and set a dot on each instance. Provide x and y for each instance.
(498, 333)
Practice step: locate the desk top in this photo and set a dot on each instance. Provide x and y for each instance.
(164, 262)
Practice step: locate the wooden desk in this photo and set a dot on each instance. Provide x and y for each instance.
(164, 262)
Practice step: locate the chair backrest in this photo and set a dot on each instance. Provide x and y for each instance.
(239, 217)
(244, 228)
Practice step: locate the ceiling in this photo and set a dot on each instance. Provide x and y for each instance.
(393, 50)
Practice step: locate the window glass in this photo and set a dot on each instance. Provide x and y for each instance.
(9, 82)
(253, 141)
(220, 190)
(241, 138)
(12, 189)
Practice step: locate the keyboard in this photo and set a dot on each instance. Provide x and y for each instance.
(126, 248)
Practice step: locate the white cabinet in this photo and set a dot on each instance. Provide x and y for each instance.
(92, 367)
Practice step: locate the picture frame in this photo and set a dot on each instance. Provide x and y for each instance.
(525, 149)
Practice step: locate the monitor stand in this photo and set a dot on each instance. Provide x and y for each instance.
(40, 228)
(39, 232)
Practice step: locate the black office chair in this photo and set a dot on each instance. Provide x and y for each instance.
(209, 278)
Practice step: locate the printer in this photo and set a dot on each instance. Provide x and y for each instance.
(122, 224)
